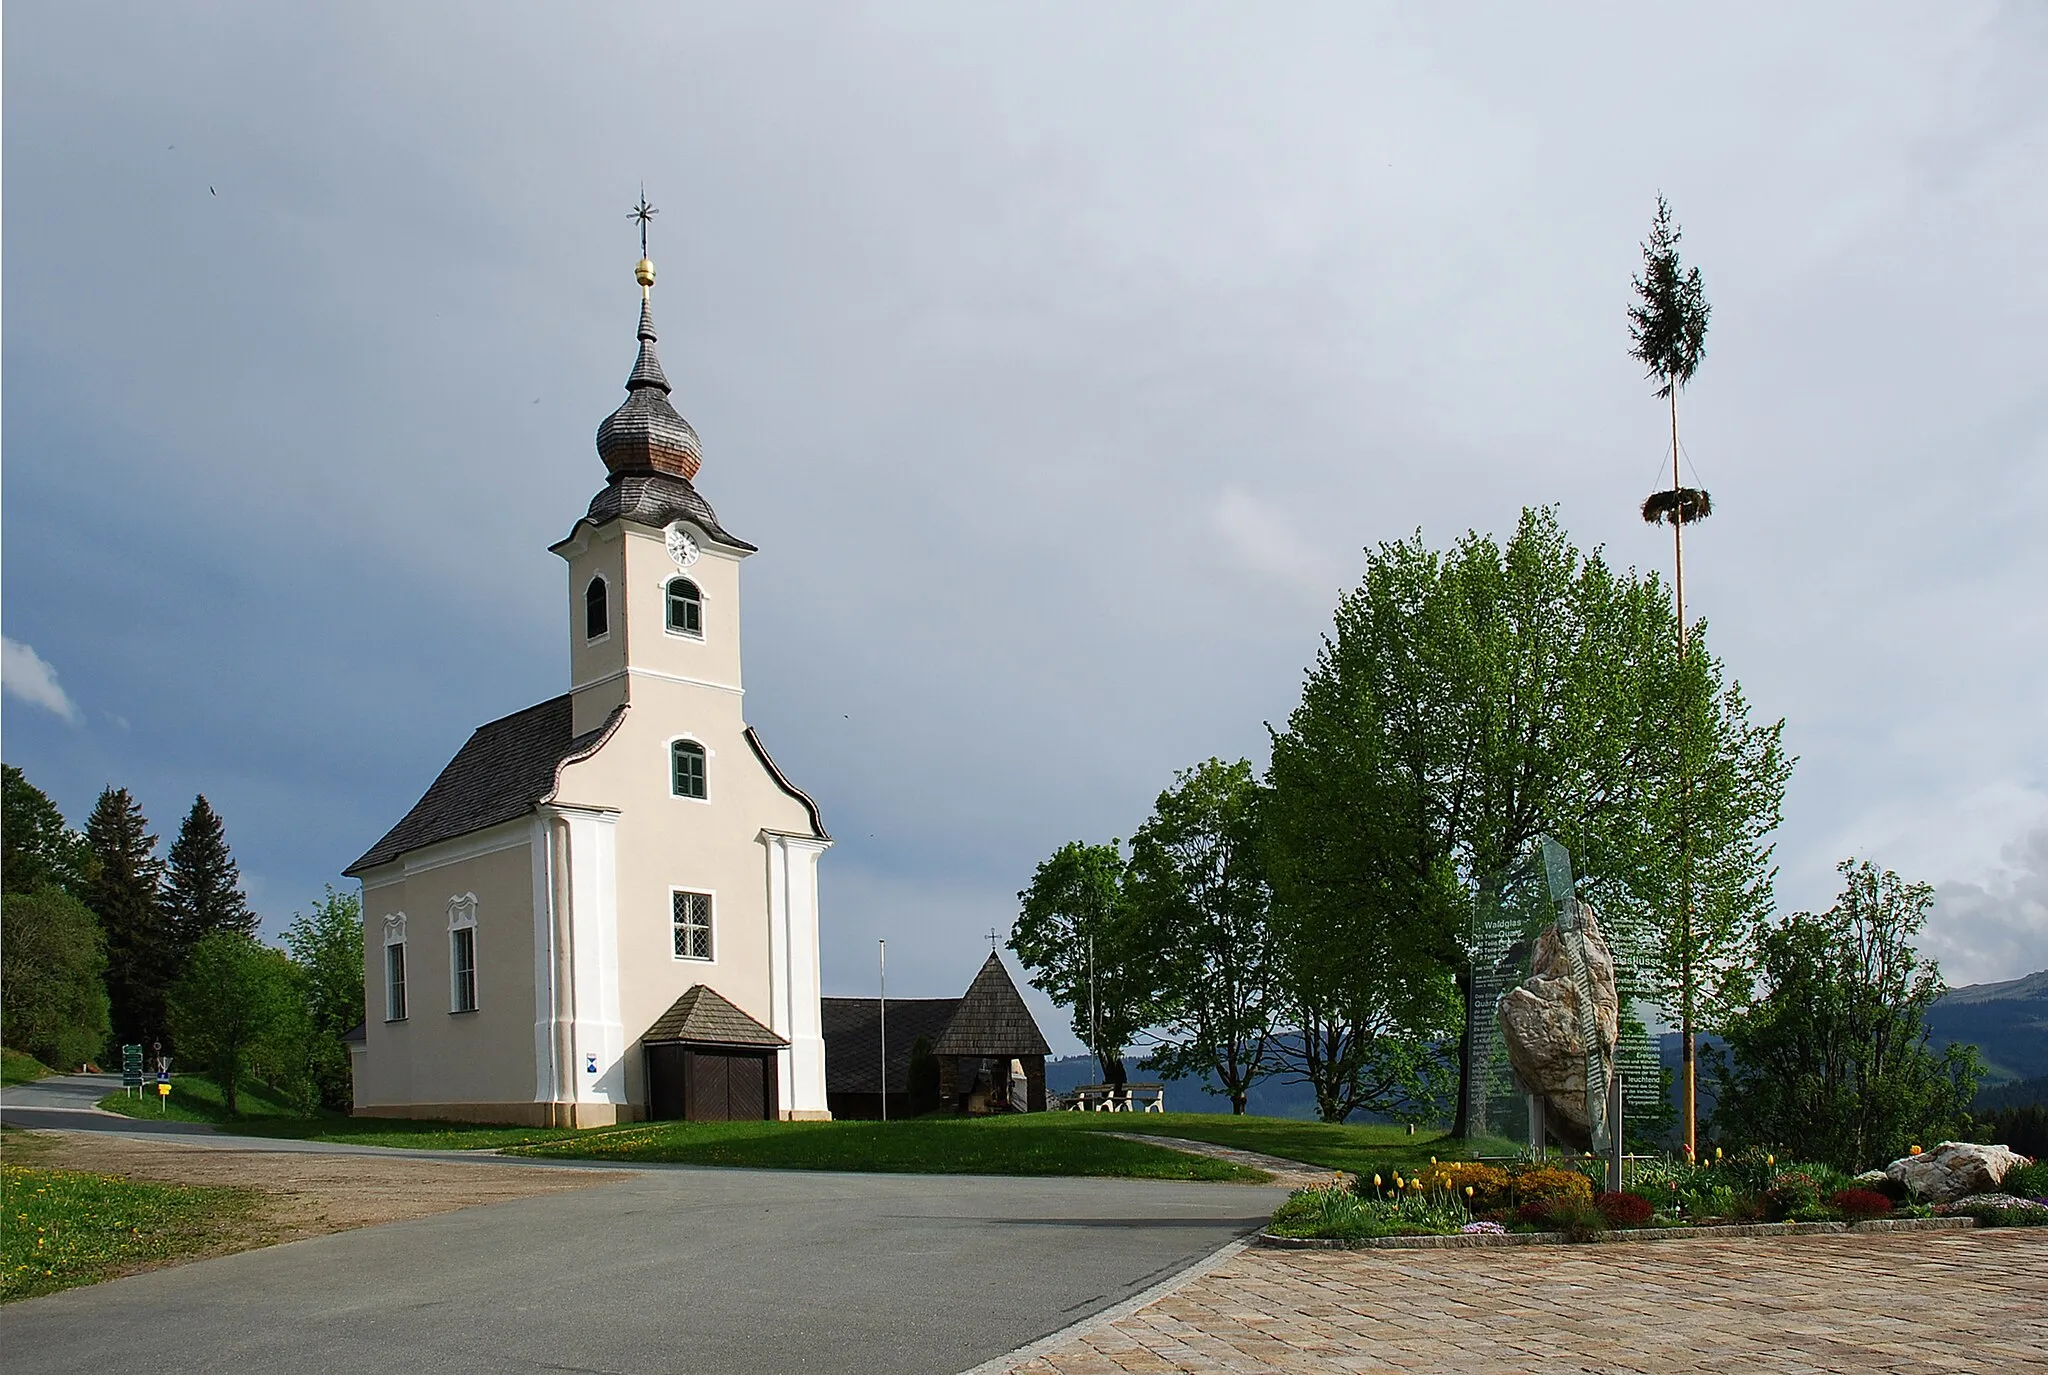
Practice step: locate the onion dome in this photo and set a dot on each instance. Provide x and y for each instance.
(645, 435)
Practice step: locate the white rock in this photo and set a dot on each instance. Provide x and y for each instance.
(1539, 1020)
(1953, 1169)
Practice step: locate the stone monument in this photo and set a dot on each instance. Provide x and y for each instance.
(1560, 1026)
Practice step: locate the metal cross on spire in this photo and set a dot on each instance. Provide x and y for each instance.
(992, 940)
(642, 213)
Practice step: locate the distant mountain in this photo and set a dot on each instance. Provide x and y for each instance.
(1272, 1096)
(2007, 1022)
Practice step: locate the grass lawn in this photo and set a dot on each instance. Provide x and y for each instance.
(1360, 1150)
(195, 1098)
(64, 1227)
(928, 1145)
(18, 1068)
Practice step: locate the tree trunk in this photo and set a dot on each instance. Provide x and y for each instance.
(1461, 1121)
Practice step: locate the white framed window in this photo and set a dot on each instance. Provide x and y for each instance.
(689, 770)
(597, 612)
(462, 953)
(685, 608)
(690, 915)
(394, 967)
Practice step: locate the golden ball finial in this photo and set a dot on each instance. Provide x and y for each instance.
(643, 272)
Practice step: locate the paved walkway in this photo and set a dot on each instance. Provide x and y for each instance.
(1287, 1174)
(1902, 1303)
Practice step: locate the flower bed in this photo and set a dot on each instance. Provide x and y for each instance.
(1468, 1201)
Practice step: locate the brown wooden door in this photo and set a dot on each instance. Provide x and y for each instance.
(710, 1079)
(728, 1085)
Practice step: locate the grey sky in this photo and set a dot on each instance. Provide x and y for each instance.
(1060, 359)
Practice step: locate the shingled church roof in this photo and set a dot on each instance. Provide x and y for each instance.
(992, 1019)
(853, 1038)
(702, 1015)
(504, 768)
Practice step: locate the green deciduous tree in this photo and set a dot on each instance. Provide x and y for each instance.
(1470, 700)
(126, 894)
(327, 946)
(1831, 1062)
(239, 1009)
(202, 885)
(52, 963)
(37, 849)
(1199, 889)
(1082, 938)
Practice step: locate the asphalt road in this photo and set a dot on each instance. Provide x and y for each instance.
(672, 1269)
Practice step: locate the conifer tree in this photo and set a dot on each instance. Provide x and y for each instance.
(202, 887)
(126, 894)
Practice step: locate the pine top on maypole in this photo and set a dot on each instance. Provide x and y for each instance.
(1668, 331)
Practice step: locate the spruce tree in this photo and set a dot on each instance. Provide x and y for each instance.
(126, 894)
(202, 886)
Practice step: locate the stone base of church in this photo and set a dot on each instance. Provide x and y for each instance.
(510, 1114)
(806, 1115)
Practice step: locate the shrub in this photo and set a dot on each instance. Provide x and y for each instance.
(1861, 1205)
(1792, 1192)
(1492, 1187)
(1990, 1214)
(1544, 1183)
(922, 1078)
(1577, 1218)
(1623, 1210)
(2027, 1181)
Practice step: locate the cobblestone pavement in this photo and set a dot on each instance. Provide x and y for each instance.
(1917, 1302)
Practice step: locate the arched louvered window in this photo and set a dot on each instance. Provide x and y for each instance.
(686, 769)
(685, 608)
(597, 618)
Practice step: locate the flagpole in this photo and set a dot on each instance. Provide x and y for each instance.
(885, 1028)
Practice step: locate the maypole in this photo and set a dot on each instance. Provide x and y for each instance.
(1668, 327)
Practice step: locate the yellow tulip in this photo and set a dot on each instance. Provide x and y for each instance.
(1717, 1152)
(1468, 1191)
(1375, 1181)
(1770, 1160)
(1915, 1150)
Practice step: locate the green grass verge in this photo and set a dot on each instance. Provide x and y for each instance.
(927, 1145)
(1361, 1150)
(195, 1098)
(65, 1228)
(19, 1068)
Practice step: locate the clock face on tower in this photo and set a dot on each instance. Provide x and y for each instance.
(682, 548)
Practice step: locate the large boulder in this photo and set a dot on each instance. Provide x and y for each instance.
(1953, 1169)
(1539, 1022)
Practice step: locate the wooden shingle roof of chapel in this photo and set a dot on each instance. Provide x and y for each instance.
(702, 1017)
(992, 1019)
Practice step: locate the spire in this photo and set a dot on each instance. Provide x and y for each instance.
(647, 367)
(645, 435)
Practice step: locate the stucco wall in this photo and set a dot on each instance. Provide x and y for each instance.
(436, 1055)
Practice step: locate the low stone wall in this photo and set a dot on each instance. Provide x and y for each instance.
(1631, 1235)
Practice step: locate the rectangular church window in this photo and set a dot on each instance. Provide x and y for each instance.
(692, 913)
(394, 982)
(462, 964)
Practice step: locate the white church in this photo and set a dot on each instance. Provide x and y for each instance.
(605, 908)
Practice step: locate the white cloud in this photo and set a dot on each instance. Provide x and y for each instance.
(24, 675)
(1996, 930)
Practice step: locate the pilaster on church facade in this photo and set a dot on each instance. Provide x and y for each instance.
(605, 907)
